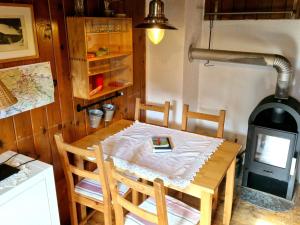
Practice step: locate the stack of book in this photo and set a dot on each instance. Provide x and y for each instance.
(161, 144)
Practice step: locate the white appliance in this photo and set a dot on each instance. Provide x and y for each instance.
(29, 197)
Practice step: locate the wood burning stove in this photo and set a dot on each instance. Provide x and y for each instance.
(272, 141)
(272, 147)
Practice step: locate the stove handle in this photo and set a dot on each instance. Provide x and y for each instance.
(293, 166)
(268, 171)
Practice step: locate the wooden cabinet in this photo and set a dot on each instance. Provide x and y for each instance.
(100, 51)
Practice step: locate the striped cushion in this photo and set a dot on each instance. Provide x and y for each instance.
(179, 213)
(92, 188)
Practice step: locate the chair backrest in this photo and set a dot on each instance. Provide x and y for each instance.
(156, 191)
(76, 173)
(163, 109)
(220, 119)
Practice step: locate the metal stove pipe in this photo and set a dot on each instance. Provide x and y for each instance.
(280, 63)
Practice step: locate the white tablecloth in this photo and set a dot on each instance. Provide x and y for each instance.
(131, 150)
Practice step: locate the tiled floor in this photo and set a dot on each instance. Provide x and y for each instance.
(243, 214)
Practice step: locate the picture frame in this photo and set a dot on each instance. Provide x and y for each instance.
(17, 32)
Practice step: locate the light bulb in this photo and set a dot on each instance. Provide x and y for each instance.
(155, 35)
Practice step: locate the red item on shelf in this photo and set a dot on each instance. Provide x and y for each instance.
(96, 90)
(90, 55)
(98, 80)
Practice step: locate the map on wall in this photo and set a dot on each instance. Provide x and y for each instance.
(31, 84)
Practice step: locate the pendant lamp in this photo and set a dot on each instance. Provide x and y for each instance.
(156, 23)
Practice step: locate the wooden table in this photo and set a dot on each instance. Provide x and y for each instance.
(206, 181)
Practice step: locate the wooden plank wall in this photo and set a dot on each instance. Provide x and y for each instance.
(252, 6)
(32, 131)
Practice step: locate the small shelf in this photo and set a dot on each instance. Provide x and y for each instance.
(94, 72)
(115, 66)
(108, 89)
(109, 56)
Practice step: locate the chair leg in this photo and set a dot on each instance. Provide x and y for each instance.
(144, 197)
(135, 197)
(107, 214)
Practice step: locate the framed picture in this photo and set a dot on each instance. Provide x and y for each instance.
(17, 32)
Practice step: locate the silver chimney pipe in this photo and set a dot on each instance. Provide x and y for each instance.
(280, 63)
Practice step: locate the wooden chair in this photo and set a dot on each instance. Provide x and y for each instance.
(158, 208)
(163, 109)
(219, 119)
(86, 188)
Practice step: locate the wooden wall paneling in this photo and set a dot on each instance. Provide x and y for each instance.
(239, 6)
(23, 1)
(26, 146)
(45, 42)
(68, 7)
(68, 131)
(290, 6)
(24, 133)
(39, 120)
(60, 47)
(44, 37)
(265, 5)
(23, 125)
(94, 8)
(250, 6)
(58, 169)
(278, 5)
(298, 10)
(40, 134)
(134, 8)
(42, 147)
(121, 103)
(131, 106)
(33, 131)
(53, 111)
(7, 135)
(80, 121)
(208, 8)
(61, 190)
(227, 6)
(9, 146)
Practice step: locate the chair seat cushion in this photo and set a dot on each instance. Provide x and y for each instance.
(92, 189)
(178, 212)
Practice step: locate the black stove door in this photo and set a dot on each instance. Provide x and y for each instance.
(271, 152)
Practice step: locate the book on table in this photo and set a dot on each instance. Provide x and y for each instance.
(161, 144)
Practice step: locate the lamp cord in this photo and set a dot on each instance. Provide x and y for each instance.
(36, 158)
(14, 155)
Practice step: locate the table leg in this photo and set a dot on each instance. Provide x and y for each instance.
(206, 208)
(215, 199)
(229, 189)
